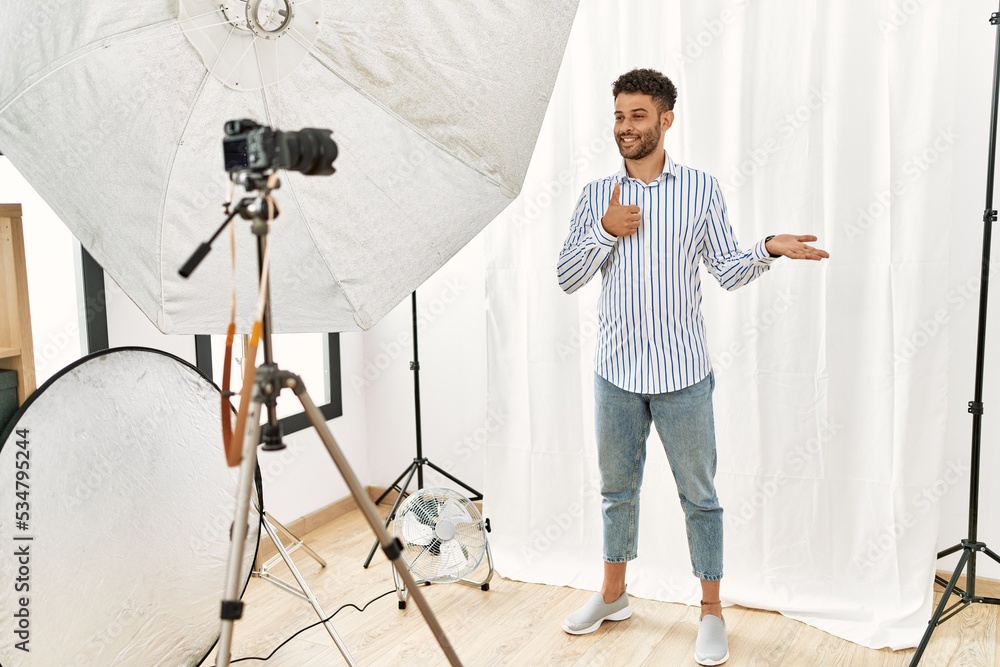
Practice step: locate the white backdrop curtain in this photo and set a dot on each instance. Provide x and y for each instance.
(835, 119)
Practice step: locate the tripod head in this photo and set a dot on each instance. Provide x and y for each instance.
(251, 181)
(260, 209)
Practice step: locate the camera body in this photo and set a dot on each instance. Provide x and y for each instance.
(251, 147)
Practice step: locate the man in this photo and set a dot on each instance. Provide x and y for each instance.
(647, 229)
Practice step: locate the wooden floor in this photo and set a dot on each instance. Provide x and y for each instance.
(519, 624)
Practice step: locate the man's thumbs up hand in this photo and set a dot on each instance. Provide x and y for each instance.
(620, 220)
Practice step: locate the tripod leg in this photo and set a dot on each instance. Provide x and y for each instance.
(394, 485)
(232, 607)
(989, 552)
(476, 494)
(295, 538)
(931, 624)
(390, 546)
(395, 506)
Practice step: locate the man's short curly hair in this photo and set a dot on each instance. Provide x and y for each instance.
(647, 82)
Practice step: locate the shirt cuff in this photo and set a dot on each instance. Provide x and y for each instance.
(761, 254)
(603, 237)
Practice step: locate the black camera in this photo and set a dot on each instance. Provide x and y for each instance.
(250, 146)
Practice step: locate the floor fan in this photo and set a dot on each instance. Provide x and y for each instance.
(444, 539)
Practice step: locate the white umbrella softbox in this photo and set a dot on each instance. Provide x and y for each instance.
(114, 111)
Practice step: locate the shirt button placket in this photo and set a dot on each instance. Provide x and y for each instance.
(649, 257)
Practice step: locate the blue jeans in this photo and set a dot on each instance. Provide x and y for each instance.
(686, 426)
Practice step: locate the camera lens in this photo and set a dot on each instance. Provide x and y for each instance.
(316, 151)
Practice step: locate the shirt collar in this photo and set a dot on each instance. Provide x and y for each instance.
(669, 168)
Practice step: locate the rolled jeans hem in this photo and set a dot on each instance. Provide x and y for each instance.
(620, 560)
(708, 577)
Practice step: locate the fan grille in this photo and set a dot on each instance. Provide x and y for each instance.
(442, 533)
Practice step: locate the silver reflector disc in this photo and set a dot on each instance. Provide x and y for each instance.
(115, 507)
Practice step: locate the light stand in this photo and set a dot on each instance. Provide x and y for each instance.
(971, 545)
(420, 461)
(268, 383)
(275, 529)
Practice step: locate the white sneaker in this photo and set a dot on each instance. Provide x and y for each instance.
(589, 617)
(712, 646)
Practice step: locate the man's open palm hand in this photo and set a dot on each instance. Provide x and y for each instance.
(795, 247)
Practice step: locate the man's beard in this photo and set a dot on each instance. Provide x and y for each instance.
(647, 143)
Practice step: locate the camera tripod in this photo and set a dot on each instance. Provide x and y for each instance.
(267, 383)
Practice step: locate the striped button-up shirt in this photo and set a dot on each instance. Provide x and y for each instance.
(651, 337)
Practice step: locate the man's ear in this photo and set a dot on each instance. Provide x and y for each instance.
(666, 119)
